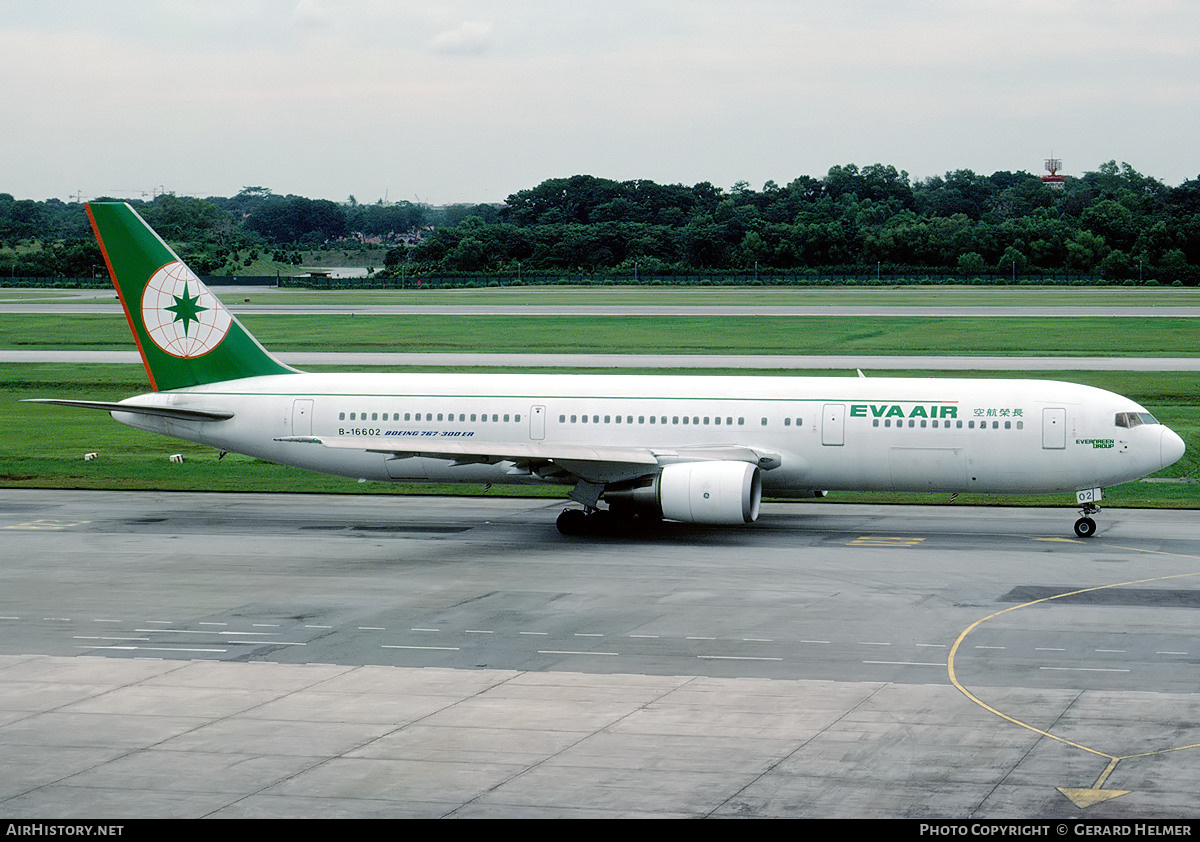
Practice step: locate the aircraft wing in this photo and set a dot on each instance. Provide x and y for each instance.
(594, 463)
(179, 413)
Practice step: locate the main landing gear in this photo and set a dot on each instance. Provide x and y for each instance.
(600, 522)
(587, 521)
(574, 522)
(1085, 527)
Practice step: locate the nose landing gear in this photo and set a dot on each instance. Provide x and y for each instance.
(1085, 527)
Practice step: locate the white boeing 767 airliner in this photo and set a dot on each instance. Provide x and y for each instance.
(691, 449)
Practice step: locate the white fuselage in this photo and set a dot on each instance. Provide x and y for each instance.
(951, 435)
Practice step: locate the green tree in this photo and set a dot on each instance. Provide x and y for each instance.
(971, 263)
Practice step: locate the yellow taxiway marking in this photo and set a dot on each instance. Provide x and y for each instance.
(1084, 798)
(885, 541)
(46, 524)
(1081, 797)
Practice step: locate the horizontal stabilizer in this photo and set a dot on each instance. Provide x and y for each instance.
(177, 412)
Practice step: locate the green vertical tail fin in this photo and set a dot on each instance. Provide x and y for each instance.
(185, 335)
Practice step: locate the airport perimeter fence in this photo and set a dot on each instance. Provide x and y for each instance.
(689, 280)
(475, 281)
(17, 281)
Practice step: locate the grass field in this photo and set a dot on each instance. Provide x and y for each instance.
(1086, 337)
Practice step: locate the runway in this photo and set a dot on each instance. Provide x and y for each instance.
(261, 655)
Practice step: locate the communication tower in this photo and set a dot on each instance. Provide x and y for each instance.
(1054, 180)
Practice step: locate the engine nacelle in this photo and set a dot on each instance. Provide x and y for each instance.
(698, 492)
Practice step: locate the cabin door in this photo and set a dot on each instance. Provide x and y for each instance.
(1054, 428)
(302, 409)
(833, 425)
(537, 423)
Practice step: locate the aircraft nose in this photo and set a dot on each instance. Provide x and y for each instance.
(1171, 446)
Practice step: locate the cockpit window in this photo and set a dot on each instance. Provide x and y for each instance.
(1134, 419)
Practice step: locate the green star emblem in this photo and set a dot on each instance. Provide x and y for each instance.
(186, 309)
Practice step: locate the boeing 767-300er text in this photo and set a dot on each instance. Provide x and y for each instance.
(692, 449)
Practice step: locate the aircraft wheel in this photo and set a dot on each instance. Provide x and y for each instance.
(1085, 527)
(572, 522)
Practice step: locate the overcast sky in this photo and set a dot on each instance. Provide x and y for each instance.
(471, 100)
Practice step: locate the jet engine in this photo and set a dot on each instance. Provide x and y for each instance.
(696, 492)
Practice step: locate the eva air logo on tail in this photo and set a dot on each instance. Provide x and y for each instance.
(181, 315)
(186, 336)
